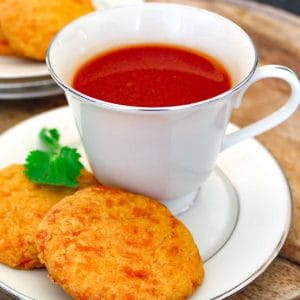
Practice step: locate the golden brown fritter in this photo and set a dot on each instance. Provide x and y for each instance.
(30, 25)
(5, 49)
(105, 243)
(23, 204)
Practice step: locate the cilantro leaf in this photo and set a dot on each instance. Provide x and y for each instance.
(50, 138)
(60, 165)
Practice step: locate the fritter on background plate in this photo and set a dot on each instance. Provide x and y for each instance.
(5, 49)
(30, 25)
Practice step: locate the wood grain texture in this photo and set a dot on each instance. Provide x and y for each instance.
(281, 282)
(15, 111)
(277, 36)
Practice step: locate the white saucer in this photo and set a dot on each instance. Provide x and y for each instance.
(239, 221)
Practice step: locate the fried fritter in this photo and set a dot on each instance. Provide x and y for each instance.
(23, 204)
(5, 49)
(30, 25)
(105, 243)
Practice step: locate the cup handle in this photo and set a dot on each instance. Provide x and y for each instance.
(277, 117)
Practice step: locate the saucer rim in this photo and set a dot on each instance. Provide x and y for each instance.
(236, 289)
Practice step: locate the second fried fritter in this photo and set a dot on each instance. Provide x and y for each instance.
(23, 204)
(105, 243)
(30, 25)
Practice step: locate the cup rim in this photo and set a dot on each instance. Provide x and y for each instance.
(121, 107)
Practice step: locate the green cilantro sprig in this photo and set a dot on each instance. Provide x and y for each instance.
(58, 165)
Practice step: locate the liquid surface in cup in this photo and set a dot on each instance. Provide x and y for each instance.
(152, 76)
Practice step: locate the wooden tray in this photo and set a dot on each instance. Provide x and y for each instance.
(277, 36)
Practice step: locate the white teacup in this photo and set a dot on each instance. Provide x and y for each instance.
(163, 152)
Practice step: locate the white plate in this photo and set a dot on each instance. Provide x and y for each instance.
(31, 93)
(114, 3)
(12, 67)
(25, 83)
(239, 221)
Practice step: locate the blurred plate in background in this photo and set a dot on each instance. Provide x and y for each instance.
(12, 67)
(22, 78)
